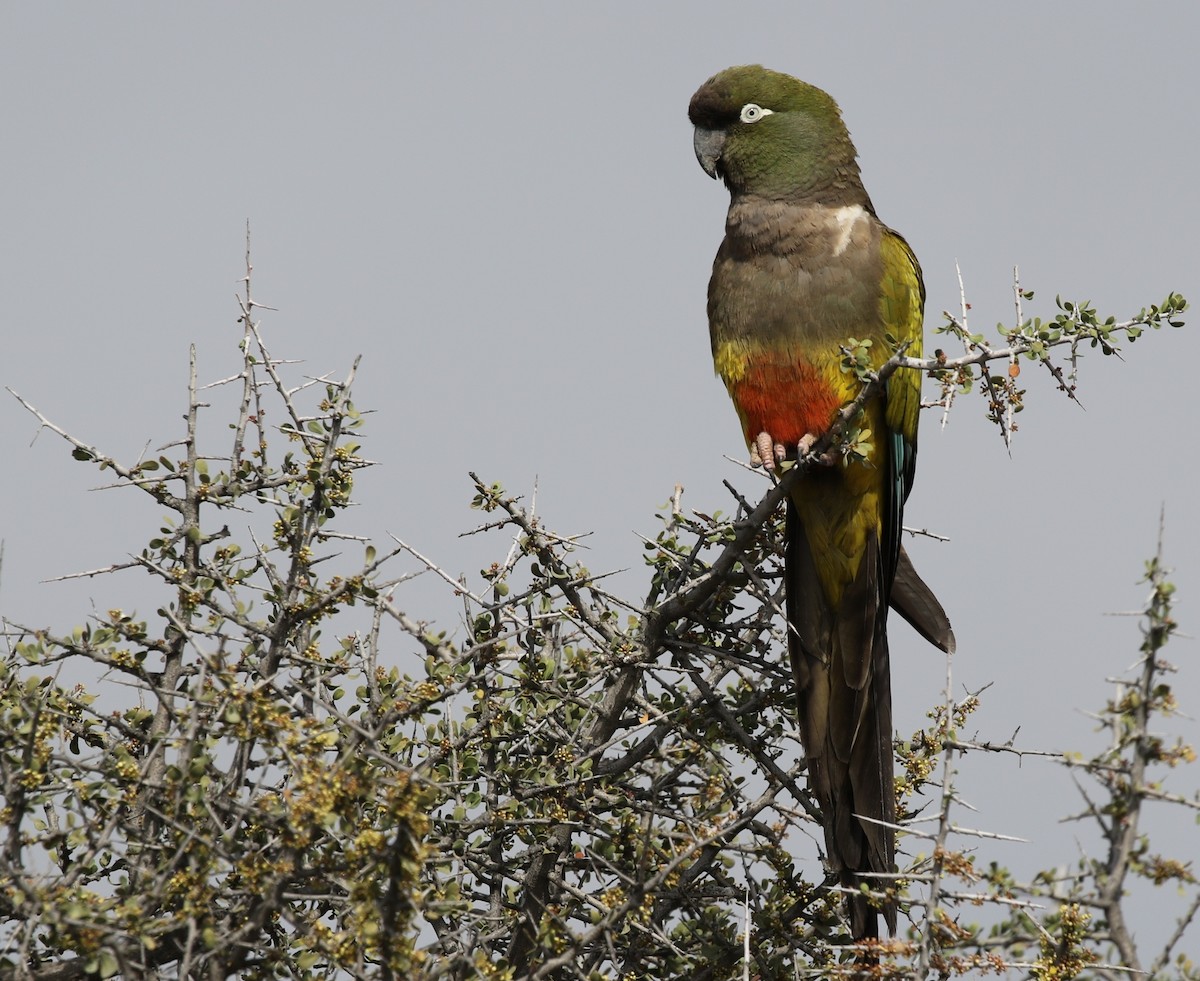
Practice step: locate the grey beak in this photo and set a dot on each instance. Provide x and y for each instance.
(709, 144)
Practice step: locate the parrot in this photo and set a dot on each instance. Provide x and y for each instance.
(805, 267)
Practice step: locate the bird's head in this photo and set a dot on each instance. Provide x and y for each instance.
(768, 134)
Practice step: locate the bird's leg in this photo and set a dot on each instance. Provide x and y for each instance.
(766, 453)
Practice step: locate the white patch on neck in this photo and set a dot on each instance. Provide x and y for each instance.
(846, 217)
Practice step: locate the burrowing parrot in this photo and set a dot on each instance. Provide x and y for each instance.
(805, 266)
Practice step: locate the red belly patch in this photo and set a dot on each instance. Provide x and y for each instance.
(786, 400)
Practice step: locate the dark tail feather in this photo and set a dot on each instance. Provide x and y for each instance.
(843, 696)
(914, 601)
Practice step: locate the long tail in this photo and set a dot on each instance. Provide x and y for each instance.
(843, 695)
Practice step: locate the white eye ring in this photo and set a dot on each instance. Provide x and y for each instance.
(752, 113)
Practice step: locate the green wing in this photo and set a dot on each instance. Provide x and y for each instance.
(902, 307)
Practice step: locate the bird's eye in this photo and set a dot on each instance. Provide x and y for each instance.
(752, 113)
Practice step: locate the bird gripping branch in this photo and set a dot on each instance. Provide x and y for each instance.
(806, 266)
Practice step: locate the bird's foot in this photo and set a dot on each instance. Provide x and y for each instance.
(826, 459)
(766, 453)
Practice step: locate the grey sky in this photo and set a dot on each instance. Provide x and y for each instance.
(499, 208)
